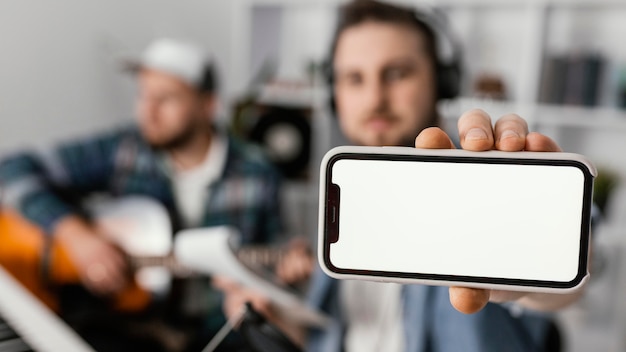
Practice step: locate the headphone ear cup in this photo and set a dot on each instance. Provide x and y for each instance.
(448, 54)
(448, 81)
(330, 84)
(332, 104)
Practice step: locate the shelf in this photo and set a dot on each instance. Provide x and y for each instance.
(542, 114)
(454, 3)
(570, 116)
(525, 3)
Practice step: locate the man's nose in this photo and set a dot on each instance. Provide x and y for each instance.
(376, 95)
(147, 108)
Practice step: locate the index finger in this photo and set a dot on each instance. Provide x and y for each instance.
(475, 131)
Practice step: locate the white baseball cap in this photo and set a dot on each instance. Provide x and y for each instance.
(184, 60)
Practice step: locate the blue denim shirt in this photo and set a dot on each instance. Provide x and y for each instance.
(432, 324)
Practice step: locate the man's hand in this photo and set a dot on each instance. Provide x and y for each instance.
(101, 266)
(509, 134)
(297, 264)
(235, 298)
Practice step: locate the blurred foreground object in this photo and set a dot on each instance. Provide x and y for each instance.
(38, 327)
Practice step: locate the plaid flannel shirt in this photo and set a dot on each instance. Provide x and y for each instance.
(122, 163)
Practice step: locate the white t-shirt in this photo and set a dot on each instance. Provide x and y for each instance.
(373, 312)
(191, 187)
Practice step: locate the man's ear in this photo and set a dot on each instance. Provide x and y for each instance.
(209, 104)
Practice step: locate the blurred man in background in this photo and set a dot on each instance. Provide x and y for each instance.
(176, 156)
(387, 75)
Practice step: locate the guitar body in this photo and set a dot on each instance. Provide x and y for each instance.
(139, 226)
(21, 252)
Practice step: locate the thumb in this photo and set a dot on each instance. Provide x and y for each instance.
(433, 138)
(468, 300)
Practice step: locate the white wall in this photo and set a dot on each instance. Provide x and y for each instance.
(59, 60)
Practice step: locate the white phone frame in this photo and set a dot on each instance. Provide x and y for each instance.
(402, 153)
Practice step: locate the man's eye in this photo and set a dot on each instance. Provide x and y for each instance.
(169, 98)
(395, 74)
(351, 80)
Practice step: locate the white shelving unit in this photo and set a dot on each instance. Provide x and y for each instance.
(598, 321)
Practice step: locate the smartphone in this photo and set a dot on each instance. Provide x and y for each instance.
(501, 220)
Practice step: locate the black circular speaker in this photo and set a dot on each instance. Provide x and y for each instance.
(285, 135)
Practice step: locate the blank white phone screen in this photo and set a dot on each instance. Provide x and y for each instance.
(469, 219)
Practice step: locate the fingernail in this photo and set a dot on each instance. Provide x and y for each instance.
(509, 134)
(476, 134)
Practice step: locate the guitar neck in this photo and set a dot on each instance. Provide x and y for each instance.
(260, 255)
(169, 262)
(252, 255)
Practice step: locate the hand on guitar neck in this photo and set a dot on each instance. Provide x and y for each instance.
(237, 296)
(102, 267)
(292, 263)
(296, 264)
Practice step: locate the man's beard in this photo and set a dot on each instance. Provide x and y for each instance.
(408, 138)
(403, 141)
(384, 138)
(178, 141)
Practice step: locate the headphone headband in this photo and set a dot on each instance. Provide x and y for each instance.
(448, 47)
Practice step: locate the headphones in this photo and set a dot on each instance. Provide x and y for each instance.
(448, 56)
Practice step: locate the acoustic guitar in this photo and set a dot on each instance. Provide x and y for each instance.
(141, 228)
(137, 225)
